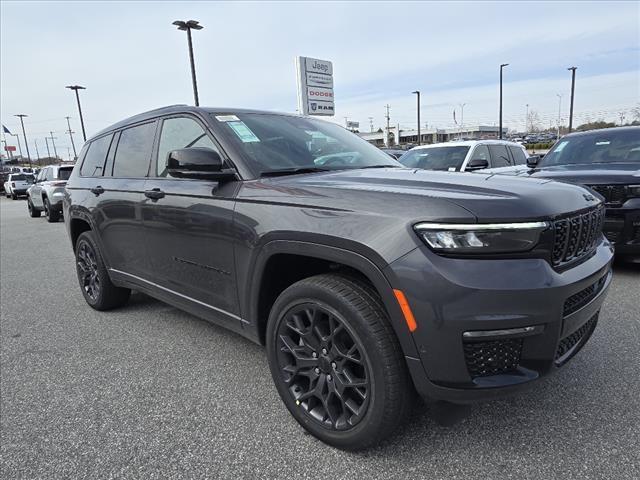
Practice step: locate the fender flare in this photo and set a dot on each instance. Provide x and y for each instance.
(333, 254)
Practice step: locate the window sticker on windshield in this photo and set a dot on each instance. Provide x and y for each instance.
(561, 146)
(452, 169)
(227, 118)
(243, 132)
(603, 142)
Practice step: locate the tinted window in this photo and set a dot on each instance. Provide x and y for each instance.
(134, 151)
(180, 133)
(18, 177)
(481, 152)
(518, 155)
(499, 156)
(94, 159)
(435, 158)
(64, 173)
(48, 175)
(602, 146)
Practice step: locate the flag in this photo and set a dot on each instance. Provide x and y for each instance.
(6, 130)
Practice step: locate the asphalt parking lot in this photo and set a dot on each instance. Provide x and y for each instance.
(148, 391)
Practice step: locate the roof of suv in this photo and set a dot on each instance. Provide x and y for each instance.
(629, 128)
(468, 143)
(180, 108)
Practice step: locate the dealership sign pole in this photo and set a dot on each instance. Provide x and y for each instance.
(315, 86)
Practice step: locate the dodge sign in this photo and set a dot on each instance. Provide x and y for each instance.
(315, 86)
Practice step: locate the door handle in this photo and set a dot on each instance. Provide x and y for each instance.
(154, 194)
(97, 190)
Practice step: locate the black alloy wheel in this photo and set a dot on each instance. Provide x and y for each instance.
(324, 366)
(88, 270)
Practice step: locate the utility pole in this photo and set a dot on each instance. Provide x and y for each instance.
(35, 141)
(188, 26)
(18, 139)
(76, 88)
(500, 127)
(622, 117)
(24, 134)
(371, 124)
(55, 152)
(46, 141)
(526, 120)
(388, 127)
(559, 113)
(573, 88)
(461, 118)
(417, 92)
(75, 155)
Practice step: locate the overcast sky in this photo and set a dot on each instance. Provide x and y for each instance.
(132, 59)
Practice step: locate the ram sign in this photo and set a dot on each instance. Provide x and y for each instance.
(315, 86)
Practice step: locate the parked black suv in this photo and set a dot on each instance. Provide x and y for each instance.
(364, 279)
(607, 161)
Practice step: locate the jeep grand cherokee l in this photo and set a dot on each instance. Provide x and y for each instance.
(365, 280)
(607, 161)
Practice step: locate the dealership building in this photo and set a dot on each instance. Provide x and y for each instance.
(399, 137)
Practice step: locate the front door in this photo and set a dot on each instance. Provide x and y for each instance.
(189, 225)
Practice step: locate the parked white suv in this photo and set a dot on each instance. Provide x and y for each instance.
(17, 185)
(465, 156)
(45, 195)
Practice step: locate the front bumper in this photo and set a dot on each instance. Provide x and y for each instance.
(622, 227)
(449, 297)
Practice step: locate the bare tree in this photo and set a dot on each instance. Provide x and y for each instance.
(533, 121)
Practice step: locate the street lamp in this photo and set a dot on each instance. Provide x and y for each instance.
(188, 26)
(76, 88)
(501, 67)
(417, 92)
(573, 87)
(26, 144)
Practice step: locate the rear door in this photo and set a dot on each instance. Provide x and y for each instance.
(119, 193)
(189, 225)
(36, 190)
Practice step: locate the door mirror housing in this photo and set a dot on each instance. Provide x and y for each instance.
(197, 162)
(476, 164)
(533, 160)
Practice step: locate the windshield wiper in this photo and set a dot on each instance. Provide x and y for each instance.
(293, 171)
(379, 166)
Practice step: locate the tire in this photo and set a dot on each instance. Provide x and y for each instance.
(14, 196)
(361, 357)
(96, 286)
(33, 211)
(52, 215)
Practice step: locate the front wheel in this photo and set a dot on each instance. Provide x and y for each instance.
(336, 361)
(33, 211)
(95, 283)
(52, 215)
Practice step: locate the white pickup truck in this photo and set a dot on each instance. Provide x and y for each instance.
(17, 185)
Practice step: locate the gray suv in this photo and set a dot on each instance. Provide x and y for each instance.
(46, 194)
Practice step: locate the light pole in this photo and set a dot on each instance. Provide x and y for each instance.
(417, 92)
(461, 118)
(188, 26)
(35, 142)
(55, 152)
(573, 87)
(76, 88)
(26, 143)
(559, 113)
(75, 155)
(526, 120)
(500, 126)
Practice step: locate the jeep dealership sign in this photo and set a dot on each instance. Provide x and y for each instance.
(315, 86)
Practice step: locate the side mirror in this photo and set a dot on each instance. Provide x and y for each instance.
(532, 161)
(476, 164)
(197, 162)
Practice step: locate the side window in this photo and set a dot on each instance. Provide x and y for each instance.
(49, 175)
(134, 151)
(499, 156)
(94, 159)
(481, 152)
(180, 133)
(518, 155)
(41, 175)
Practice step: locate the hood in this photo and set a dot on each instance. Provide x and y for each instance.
(423, 195)
(584, 174)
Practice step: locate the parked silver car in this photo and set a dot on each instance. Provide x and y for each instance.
(45, 195)
(465, 156)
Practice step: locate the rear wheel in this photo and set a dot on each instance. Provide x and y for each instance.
(51, 214)
(94, 280)
(33, 211)
(336, 362)
(14, 196)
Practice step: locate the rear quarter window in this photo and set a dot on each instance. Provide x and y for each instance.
(133, 153)
(518, 155)
(93, 163)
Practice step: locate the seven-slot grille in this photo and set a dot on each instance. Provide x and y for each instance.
(575, 236)
(613, 194)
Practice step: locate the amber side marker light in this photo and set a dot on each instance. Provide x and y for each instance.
(406, 310)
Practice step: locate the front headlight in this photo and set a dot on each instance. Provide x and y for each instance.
(481, 238)
(634, 190)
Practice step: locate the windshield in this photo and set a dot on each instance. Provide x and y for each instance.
(436, 158)
(64, 173)
(272, 143)
(602, 146)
